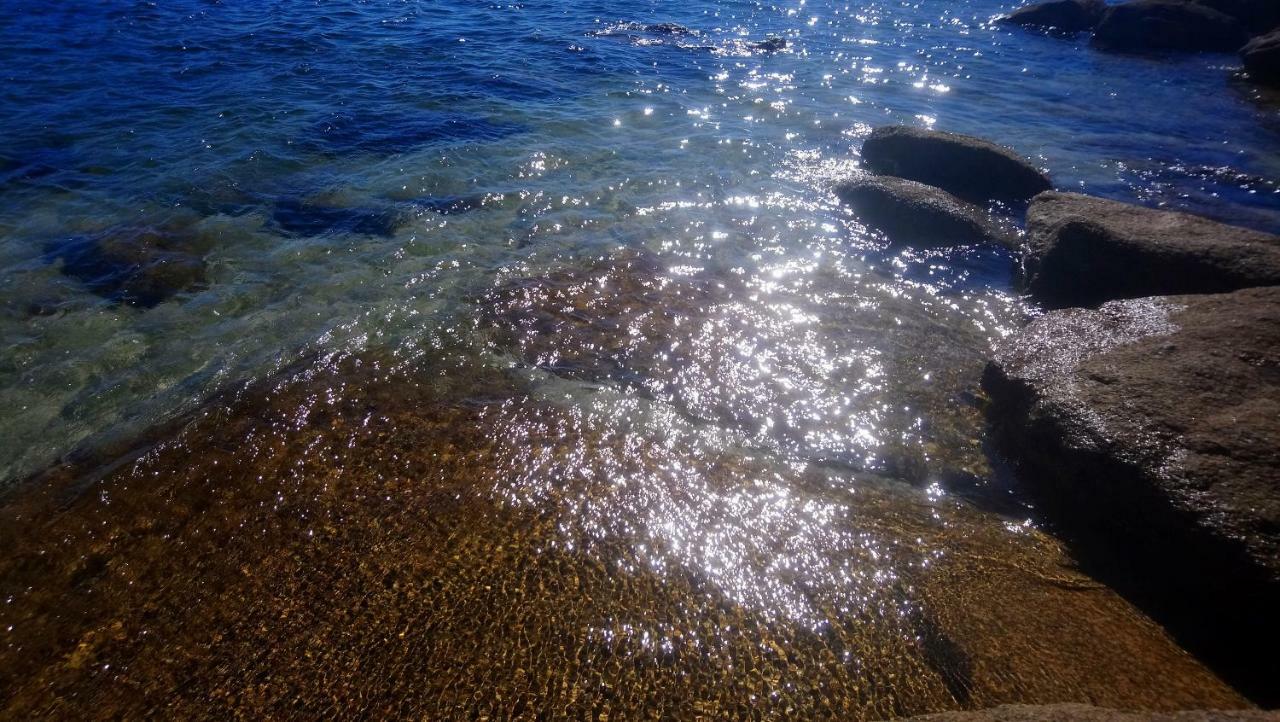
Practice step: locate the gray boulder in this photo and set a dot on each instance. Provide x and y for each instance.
(1063, 16)
(1082, 251)
(1088, 713)
(1156, 25)
(1149, 431)
(1262, 58)
(915, 213)
(968, 167)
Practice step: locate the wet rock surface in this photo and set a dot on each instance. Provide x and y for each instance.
(1261, 58)
(780, 374)
(970, 168)
(137, 265)
(1159, 25)
(1082, 251)
(365, 538)
(1087, 713)
(1063, 16)
(915, 213)
(1152, 427)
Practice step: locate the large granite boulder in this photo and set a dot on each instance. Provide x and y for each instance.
(1262, 58)
(968, 167)
(915, 213)
(1062, 16)
(1082, 251)
(1155, 25)
(1089, 713)
(1149, 430)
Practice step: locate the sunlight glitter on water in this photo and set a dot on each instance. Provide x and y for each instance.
(691, 396)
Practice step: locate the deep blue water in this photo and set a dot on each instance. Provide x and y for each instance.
(352, 174)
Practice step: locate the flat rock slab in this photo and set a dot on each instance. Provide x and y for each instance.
(1082, 251)
(1088, 713)
(1062, 16)
(1152, 426)
(971, 168)
(1162, 25)
(914, 213)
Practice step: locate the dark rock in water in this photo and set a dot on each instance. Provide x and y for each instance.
(1257, 16)
(1262, 58)
(1150, 428)
(310, 219)
(769, 45)
(1087, 713)
(914, 213)
(1147, 25)
(1064, 16)
(1084, 250)
(139, 266)
(968, 167)
(669, 29)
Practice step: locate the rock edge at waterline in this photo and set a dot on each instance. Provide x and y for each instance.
(1150, 430)
(1082, 251)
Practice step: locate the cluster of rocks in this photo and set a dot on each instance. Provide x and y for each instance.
(145, 264)
(1144, 409)
(1251, 27)
(923, 187)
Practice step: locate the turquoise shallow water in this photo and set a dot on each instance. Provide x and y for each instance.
(367, 175)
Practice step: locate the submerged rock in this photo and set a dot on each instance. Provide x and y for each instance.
(769, 45)
(312, 219)
(630, 322)
(669, 29)
(1087, 713)
(1082, 251)
(140, 266)
(1064, 16)
(968, 167)
(915, 213)
(450, 205)
(1262, 58)
(1147, 25)
(1150, 428)
(435, 542)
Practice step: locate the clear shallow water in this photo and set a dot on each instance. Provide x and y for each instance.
(526, 324)
(219, 120)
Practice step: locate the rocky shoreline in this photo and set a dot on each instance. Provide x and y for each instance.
(1248, 27)
(1144, 416)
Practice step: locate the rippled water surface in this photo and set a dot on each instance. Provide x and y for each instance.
(515, 357)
